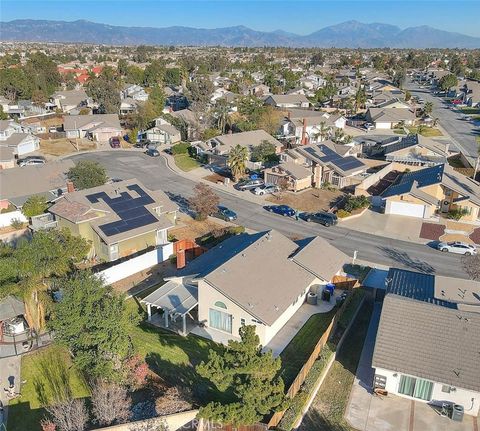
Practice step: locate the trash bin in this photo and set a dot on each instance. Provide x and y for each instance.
(326, 295)
(457, 413)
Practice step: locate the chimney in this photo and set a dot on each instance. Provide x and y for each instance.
(70, 187)
(304, 132)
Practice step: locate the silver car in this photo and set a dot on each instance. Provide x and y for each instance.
(266, 189)
(458, 248)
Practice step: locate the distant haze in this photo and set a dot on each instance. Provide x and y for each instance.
(350, 34)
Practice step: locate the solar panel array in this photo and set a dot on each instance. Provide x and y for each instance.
(400, 145)
(330, 156)
(130, 210)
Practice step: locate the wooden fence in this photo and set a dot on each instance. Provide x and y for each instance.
(301, 376)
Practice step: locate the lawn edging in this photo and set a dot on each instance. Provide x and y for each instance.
(302, 401)
(340, 219)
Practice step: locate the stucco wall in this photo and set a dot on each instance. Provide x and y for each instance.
(458, 396)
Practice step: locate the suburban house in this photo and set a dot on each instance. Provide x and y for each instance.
(427, 342)
(163, 133)
(134, 92)
(119, 219)
(257, 90)
(297, 177)
(287, 101)
(218, 148)
(328, 163)
(434, 190)
(388, 118)
(306, 126)
(222, 293)
(99, 127)
(14, 142)
(70, 100)
(411, 150)
(48, 180)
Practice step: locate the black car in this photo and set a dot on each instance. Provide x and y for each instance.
(225, 214)
(327, 219)
(152, 152)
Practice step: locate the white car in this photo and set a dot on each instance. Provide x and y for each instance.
(458, 248)
(369, 126)
(266, 189)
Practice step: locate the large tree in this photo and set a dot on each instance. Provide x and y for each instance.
(95, 323)
(263, 152)
(204, 201)
(199, 92)
(251, 375)
(35, 205)
(86, 174)
(237, 160)
(110, 403)
(448, 81)
(105, 90)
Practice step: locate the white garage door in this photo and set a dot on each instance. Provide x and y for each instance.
(406, 209)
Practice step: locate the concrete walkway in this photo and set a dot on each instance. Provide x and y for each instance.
(366, 412)
(9, 372)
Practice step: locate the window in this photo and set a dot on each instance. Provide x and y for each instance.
(220, 320)
(417, 388)
(220, 304)
(446, 389)
(242, 322)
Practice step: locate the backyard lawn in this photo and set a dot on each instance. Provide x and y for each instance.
(48, 374)
(301, 347)
(327, 410)
(185, 162)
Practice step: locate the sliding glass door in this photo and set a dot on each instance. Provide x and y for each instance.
(220, 320)
(417, 388)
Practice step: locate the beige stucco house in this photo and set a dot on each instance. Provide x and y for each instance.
(258, 279)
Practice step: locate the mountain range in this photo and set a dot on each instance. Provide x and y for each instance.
(350, 34)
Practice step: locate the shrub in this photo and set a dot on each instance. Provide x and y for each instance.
(16, 223)
(457, 214)
(343, 213)
(181, 148)
(356, 202)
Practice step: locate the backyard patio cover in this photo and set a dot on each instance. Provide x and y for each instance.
(11, 307)
(173, 297)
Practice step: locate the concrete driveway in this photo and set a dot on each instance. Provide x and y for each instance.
(9, 372)
(366, 412)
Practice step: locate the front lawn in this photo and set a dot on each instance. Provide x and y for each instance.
(469, 111)
(427, 132)
(48, 374)
(328, 408)
(185, 162)
(301, 347)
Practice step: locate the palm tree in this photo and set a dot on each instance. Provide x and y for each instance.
(360, 99)
(347, 139)
(237, 160)
(338, 136)
(324, 131)
(428, 108)
(421, 129)
(221, 114)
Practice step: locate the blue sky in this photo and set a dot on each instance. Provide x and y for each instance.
(299, 16)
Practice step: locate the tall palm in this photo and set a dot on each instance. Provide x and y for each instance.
(338, 136)
(428, 108)
(360, 99)
(237, 160)
(324, 130)
(221, 114)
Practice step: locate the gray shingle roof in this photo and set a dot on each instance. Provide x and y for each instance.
(11, 307)
(430, 342)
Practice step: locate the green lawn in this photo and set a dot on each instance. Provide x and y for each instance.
(48, 374)
(326, 412)
(469, 111)
(185, 162)
(428, 132)
(301, 347)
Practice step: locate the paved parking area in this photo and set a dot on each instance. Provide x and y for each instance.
(366, 412)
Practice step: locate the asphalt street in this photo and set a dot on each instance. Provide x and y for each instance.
(462, 132)
(155, 174)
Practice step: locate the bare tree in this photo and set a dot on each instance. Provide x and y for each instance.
(471, 265)
(204, 201)
(110, 403)
(69, 415)
(172, 401)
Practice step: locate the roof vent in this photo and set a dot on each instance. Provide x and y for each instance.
(244, 255)
(276, 308)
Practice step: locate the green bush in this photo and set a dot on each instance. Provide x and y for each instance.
(343, 213)
(181, 148)
(457, 214)
(16, 223)
(356, 202)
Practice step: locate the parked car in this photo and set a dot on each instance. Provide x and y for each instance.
(31, 160)
(327, 219)
(168, 151)
(283, 210)
(142, 143)
(225, 214)
(266, 189)
(250, 184)
(457, 247)
(369, 126)
(115, 142)
(152, 152)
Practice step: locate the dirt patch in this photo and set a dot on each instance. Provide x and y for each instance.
(455, 237)
(60, 147)
(454, 225)
(475, 236)
(432, 231)
(193, 229)
(310, 200)
(215, 178)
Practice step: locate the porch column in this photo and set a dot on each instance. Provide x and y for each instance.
(184, 321)
(149, 312)
(165, 312)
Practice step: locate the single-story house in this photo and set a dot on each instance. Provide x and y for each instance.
(257, 90)
(387, 118)
(428, 352)
(437, 189)
(328, 163)
(297, 176)
(119, 219)
(49, 180)
(287, 101)
(8, 128)
(227, 294)
(69, 100)
(99, 127)
(21, 143)
(163, 132)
